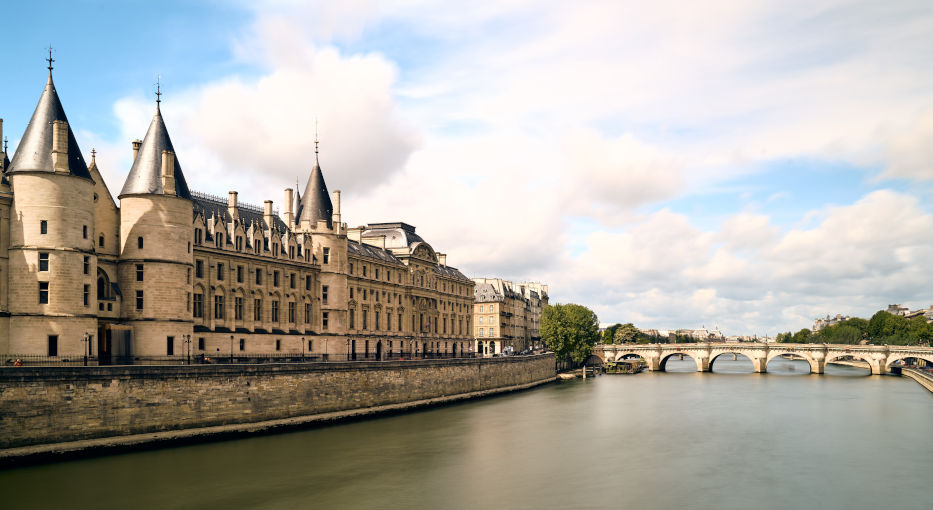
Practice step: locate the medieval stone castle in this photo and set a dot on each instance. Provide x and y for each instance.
(171, 272)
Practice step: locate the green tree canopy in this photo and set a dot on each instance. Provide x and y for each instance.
(626, 333)
(570, 330)
(608, 335)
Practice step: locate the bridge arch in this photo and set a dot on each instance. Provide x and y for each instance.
(872, 364)
(736, 354)
(663, 364)
(894, 357)
(815, 367)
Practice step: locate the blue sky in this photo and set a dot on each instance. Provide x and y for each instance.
(751, 165)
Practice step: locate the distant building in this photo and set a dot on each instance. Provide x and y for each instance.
(819, 324)
(507, 315)
(898, 310)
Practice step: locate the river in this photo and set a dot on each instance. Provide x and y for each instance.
(726, 440)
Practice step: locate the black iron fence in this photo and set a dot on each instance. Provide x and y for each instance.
(15, 360)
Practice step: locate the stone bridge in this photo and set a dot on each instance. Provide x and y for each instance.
(879, 357)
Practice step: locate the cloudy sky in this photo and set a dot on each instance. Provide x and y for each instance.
(746, 165)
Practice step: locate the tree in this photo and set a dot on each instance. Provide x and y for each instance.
(802, 336)
(610, 332)
(784, 338)
(570, 330)
(626, 333)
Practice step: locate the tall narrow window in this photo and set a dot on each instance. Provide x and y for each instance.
(199, 269)
(308, 282)
(278, 345)
(291, 312)
(238, 308)
(198, 304)
(87, 265)
(200, 344)
(43, 261)
(352, 325)
(84, 231)
(324, 294)
(100, 241)
(43, 293)
(239, 274)
(139, 272)
(87, 295)
(53, 345)
(257, 309)
(139, 242)
(220, 271)
(170, 346)
(275, 278)
(258, 276)
(219, 307)
(351, 267)
(364, 319)
(327, 255)
(139, 300)
(291, 280)
(275, 311)
(308, 313)
(44, 229)
(242, 344)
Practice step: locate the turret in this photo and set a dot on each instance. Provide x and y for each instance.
(52, 263)
(315, 204)
(155, 246)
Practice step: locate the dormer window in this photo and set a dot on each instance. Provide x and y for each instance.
(291, 252)
(198, 236)
(220, 240)
(239, 243)
(275, 250)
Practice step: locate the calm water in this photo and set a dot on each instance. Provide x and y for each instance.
(726, 440)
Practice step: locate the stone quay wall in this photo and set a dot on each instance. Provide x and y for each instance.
(60, 404)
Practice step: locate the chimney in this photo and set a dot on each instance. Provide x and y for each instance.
(442, 259)
(267, 214)
(60, 146)
(378, 242)
(289, 215)
(232, 204)
(168, 172)
(136, 145)
(354, 234)
(335, 219)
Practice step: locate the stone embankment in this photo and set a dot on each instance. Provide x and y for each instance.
(53, 411)
(924, 378)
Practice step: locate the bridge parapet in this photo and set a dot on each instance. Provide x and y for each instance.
(878, 357)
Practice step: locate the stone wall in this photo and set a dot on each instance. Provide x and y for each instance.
(52, 404)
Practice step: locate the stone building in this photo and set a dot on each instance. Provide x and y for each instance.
(507, 316)
(170, 272)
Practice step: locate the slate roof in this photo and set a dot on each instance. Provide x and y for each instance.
(209, 205)
(365, 250)
(486, 293)
(34, 152)
(315, 204)
(397, 234)
(146, 174)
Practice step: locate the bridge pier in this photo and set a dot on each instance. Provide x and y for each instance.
(703, 364)
(760, 364)
(817, 366)
(654, 364)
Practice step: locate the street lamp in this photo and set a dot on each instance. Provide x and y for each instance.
(231, 348)
(348, 349)
(302, 348)
(187, 340)
(87, 346)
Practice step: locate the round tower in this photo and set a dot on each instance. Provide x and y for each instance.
(53, 266)
(155, 263)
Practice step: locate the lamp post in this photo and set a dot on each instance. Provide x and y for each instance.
(231, 348)
(187, 340)
(87, 346)
(348, 349)
(302, 349)
(325, 351)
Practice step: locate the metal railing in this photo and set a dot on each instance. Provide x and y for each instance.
(29, 360)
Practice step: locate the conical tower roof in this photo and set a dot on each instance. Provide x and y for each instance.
(145, 176)
(34, 152)
(315, 203)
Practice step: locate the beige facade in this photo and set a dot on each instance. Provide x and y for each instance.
(507, 315)
(174, 274)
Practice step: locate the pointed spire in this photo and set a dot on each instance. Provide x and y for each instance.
(316, 204)
(146, 174)
(34, 152)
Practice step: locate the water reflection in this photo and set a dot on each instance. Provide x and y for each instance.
(647, 441)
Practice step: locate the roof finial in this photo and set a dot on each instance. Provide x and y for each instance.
(93, 154)
(315, 138)
(50, 59)
(5, 143)
(158, 90)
